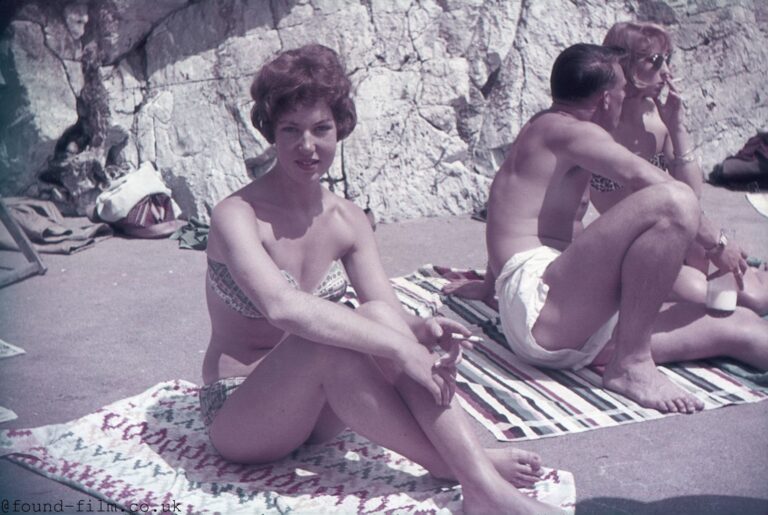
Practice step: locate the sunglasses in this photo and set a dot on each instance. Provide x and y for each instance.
(657, 60)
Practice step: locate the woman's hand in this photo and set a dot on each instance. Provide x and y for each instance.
(423, 366)
(672, 111)
(451, 337)
(441, 331)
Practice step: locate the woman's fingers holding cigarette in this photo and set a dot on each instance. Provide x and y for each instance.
(672, 84)
(466, 341)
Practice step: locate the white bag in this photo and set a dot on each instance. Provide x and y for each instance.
(115, 203)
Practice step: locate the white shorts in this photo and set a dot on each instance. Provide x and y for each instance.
(522, 294)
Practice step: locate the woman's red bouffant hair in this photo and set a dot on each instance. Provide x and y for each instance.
(302, 76)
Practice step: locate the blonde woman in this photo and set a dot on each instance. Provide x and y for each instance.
(653, 127)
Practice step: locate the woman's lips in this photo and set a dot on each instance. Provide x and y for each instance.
(307, 164)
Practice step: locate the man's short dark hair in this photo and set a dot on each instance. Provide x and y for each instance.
(582, 70)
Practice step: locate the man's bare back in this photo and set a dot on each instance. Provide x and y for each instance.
(537, 197)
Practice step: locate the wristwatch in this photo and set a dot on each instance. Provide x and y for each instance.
(722, 242)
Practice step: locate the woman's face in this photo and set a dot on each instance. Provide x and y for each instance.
(305, 138)
(652, 71)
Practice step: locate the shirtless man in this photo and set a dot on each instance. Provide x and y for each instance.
(570, 296)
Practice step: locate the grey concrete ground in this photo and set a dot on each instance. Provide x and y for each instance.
(116, 319)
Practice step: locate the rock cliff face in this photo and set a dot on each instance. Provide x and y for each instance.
(92, 89)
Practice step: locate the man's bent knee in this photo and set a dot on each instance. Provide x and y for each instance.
(676, 205)
(681, 203)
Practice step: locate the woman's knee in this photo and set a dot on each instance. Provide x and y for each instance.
(339, 360)
(755, 293)
(325, 358)
(748, 326)
(743, 335)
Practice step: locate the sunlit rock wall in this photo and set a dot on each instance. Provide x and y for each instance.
(92, 89)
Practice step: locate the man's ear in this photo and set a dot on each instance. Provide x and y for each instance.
(605, 100)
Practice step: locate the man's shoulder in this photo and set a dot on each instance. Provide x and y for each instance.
(559, 129)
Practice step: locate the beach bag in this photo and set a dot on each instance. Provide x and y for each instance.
(151, 217)
(139, 204)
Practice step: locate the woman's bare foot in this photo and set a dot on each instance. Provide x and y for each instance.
(519, 467)
(472, 289)
(500, 498)
(642, 382)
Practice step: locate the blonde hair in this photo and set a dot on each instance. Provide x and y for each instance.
(637, 40)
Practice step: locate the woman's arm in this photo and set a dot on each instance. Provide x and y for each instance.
(235, 232)
(678, 144)
(363, 265)
(235, 235)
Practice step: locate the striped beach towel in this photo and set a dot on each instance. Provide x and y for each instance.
(516, 401)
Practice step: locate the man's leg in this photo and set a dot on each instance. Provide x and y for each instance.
(628, 259)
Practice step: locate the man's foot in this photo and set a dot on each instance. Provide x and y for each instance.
(643, 383)
(503, 498)
(472, 289)
(519, 467)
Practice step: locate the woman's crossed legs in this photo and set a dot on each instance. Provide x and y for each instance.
(305, 392)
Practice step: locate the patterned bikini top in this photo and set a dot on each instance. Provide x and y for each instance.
(601, 183)
(332, 287)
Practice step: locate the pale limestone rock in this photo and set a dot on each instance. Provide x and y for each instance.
(123, 24)
(39, 107)
(441, 86)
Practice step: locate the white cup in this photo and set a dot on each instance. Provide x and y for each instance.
(722, 293)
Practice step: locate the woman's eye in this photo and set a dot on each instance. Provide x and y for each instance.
(324, 128)
(288, 129)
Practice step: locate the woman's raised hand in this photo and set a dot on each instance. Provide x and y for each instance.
(671, 111)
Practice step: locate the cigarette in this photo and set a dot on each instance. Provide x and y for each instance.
(473, 339)
(676, 79)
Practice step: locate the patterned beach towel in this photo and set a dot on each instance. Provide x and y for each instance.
(150, 453)
(515, 401)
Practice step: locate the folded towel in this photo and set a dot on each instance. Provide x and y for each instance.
(48, 230)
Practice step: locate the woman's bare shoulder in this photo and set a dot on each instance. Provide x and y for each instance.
(345, 209)
(348, 221)
(233, 218)
(235, 206)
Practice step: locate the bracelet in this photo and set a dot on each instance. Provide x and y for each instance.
(687, 157)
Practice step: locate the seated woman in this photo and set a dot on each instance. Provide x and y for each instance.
(654, 130)
(286, 364)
